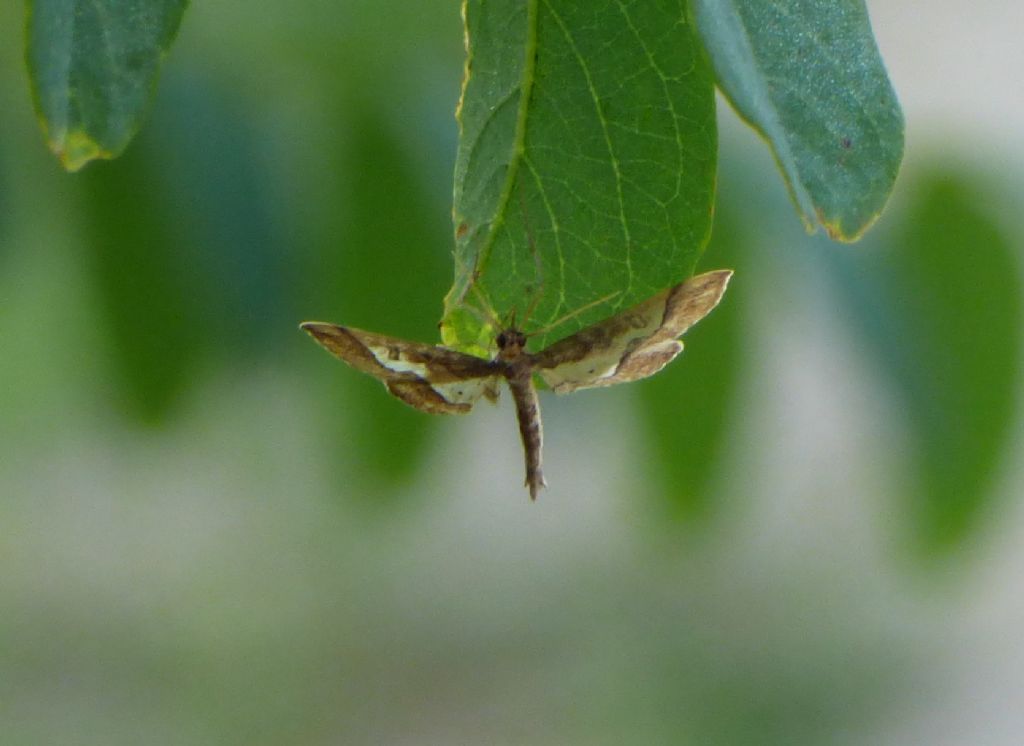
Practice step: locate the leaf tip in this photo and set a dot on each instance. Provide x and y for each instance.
(75, 149)
(836, 231)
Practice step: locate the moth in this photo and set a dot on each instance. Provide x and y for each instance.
(628, 346)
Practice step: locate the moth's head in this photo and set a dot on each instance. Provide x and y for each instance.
(511, 342)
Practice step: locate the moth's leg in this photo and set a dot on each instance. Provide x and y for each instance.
(481, 309)
(486, 312)
(492, 391)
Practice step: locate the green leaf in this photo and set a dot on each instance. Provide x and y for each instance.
(586, 162)
(93, 66)
(221, 195)
(807, 75)
(942, 309)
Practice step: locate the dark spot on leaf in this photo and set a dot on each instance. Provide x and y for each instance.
(847, 143)
(136, 60)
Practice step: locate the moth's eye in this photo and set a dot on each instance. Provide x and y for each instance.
(502, 340)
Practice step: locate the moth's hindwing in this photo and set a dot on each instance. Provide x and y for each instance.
(633, 344)
(432, 379)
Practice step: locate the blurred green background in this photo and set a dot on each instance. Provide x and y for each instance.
(807, 531)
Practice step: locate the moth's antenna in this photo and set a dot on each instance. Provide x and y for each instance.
(486, 312)
(538, 267)
(572, 314)
(539, 272)
(471, 284)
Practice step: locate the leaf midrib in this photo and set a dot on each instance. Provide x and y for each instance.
(525, 92)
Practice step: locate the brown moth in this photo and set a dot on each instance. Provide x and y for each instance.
(628, 346)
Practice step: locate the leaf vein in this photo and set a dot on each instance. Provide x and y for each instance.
(612, 156)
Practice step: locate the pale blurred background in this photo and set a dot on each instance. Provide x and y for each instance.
(212, 533)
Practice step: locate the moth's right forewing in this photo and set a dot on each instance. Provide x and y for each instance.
(633, 344)
(691, 301)
(594, 354)
(433, 379)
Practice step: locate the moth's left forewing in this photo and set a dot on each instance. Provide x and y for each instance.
(634, 344)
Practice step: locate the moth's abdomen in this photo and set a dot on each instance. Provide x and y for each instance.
(520, 382)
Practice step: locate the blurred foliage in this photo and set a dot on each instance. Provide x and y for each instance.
(5, 210)
(960, 302)
(935, 292)
(184, 252)
(145, 283)
(93, 67)
(939, 300)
